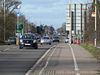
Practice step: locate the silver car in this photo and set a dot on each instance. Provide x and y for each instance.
(45, 40)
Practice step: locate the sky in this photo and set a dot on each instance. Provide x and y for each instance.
(48, 12)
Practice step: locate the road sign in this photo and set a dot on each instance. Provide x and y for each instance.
(19, 28)
(19, 14)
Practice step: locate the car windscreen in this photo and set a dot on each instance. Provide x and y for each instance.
(27, 36)
(56, 37)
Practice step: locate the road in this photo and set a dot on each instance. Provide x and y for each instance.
(15, 61)
(67, 59)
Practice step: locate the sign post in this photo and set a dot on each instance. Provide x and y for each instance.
(95, 40)
(19, 28)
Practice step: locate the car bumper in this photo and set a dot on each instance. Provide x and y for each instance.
(45, 42)
(28, 44)
(55, 40)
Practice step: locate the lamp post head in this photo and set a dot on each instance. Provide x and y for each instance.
(18, 6)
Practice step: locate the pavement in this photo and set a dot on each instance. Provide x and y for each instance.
(66, 59)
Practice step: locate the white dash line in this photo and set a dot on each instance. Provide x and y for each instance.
(34, 66)
(6, 49)
(40, 73)
(75, 62)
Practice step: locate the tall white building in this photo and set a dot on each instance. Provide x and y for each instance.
(76, 23)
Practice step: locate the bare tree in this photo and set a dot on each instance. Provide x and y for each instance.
(10, 5)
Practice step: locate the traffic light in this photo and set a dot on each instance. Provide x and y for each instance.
(38, 30)
(20, 26)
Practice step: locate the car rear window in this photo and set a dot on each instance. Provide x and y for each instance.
(56, 37)
(45, 37)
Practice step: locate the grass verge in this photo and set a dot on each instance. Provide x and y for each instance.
(93, 50)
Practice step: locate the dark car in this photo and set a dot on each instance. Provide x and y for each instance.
(11, 40)
(28, 40)
(56, 39)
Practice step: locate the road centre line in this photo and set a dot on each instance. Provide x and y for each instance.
(30, 71)
(40, 73)
(75, 62)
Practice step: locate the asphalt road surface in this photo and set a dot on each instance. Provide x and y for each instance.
(67, 59)
(15, 61)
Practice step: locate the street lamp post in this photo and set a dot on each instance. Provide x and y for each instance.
(4, 18)
(70, 17)
(95, 40)
(17, 31)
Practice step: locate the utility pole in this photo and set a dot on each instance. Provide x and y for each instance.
(17, 29)
(4, 17)
(70, 17)
(95, 40)
(81, 30)
(85, 22)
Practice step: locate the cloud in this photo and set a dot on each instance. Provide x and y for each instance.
(52, 12)
(45, 11)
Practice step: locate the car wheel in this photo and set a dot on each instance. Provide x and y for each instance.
(49, 43)
(9, 43)
(20, 47)
(36, 46)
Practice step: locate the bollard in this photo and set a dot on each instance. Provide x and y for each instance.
(17, 41)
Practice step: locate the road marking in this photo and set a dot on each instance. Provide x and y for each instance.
(6, 49)
(89, 72)
(75, 62)
(40, 73)
(14, 47)
(30, 71)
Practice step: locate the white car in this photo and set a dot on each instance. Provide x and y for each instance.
(45, 40)
(66, 40)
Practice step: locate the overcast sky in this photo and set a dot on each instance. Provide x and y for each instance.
(50, 12)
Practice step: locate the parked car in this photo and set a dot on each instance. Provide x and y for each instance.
(45, 40)
(28, 40)
(56, 39)
(11, 40)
